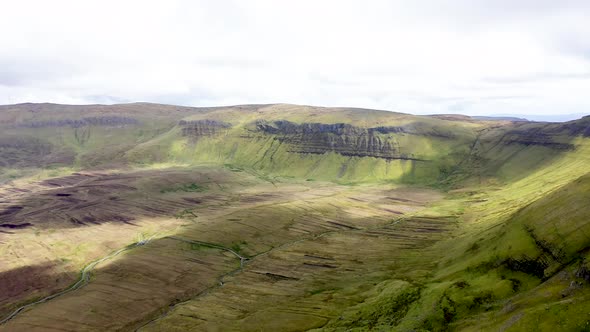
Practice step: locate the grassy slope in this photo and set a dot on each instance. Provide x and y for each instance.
(559, 227)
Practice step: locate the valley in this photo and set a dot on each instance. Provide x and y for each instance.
(147, 217)
(288, 232)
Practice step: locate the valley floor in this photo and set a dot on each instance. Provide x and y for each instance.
(219, 249)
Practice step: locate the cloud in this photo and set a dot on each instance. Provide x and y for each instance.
(410, 56)
(536, 77)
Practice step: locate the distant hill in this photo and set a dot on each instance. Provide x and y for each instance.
(547, 118)
(499, 118)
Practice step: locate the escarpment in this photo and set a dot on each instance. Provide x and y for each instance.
(203, 128)
(548, 135)
(344, 139)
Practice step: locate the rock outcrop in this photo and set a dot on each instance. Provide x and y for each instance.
(342, 138)
(203, 128)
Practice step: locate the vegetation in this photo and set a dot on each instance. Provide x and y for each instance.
(351, 219)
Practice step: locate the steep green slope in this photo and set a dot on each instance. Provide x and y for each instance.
(559, 225)
(556, 228)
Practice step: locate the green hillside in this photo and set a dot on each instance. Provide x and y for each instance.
(520, 252)
(337, 144)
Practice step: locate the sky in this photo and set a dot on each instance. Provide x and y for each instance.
(465, 56)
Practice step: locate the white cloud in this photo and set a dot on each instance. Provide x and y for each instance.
(476, 57)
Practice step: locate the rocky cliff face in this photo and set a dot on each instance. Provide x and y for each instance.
(534, 137)
(203, 128)
(549, 135)
(577, 128)
(345, 139)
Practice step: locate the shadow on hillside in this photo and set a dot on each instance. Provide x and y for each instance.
(18, 284)
(513, 152)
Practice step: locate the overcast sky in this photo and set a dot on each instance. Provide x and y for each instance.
(463, 56)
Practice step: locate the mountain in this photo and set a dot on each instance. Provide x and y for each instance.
(286, 218)
(563, 117)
